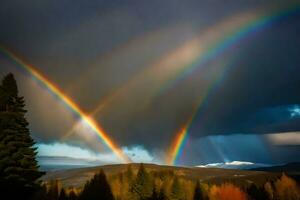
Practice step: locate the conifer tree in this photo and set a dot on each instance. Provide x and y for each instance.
(154, 195)
(53, 191)
(176, 190)
(129, 173)
(257, 193)
(142, 186)
(97, 188)
(62, 195)
(162, 195)
(73, 196)
(18, 166)
(41, 193)
(126, 183)
(198, 194)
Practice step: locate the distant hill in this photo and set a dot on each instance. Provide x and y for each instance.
(77, 177)
(53, 163)
(290, 167)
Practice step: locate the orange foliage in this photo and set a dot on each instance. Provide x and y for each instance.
(226, 191)
(213, 193)
(76, 191)
(287, 188)
(269, 190)
(188, 188)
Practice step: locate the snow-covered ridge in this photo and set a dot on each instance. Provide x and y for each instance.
(234, 165)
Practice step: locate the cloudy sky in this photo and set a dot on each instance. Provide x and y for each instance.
(142, 69)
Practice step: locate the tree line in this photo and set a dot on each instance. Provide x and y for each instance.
(166, 185)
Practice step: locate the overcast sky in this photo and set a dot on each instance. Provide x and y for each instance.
(128, 62)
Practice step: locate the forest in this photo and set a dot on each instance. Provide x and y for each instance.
(165, 185)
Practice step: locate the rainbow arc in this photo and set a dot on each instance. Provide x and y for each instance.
(240, 32)
(39, 77)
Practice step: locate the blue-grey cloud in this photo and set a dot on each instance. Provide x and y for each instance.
(92, 48)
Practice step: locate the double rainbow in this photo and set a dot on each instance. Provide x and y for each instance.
(39, 77)
(174, 67)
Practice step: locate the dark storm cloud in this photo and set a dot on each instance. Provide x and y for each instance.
(261, 87)
(92, 48)
(254, 97)
(238, 147)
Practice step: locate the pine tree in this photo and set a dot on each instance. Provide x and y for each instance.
(142, 186)
(53, 191)
(97, 188)
(62, 195)
(176, 190)
(18, 166)
(129, 173)
(154, 195)
(41, 193)
(257, 193)
(198, 194)
(73, 196)
(126, 181)
(162, 195)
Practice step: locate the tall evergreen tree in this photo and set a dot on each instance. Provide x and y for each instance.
(162, 195)
(158, 196)
(97, 188)
(198, 194)
(62, 195)
(176, 190)
(72, 195)
(53, 191)
(142, 186)
(154, 195)
(18, 166)
(129, 173)
(41, 193)
(257, 193)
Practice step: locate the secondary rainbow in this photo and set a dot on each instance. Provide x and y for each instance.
(68, 102)
(220, 47)
(223, 44)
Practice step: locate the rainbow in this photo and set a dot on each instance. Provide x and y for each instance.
(225, 43)
(178, 143)
(177, 64)
(242, 31)
(40, 78)
(176, 147)
(179, 140)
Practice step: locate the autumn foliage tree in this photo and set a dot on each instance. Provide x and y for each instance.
(159, 185)
(269, 190)
(287, 189)
(177, 192)
(227, 191)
